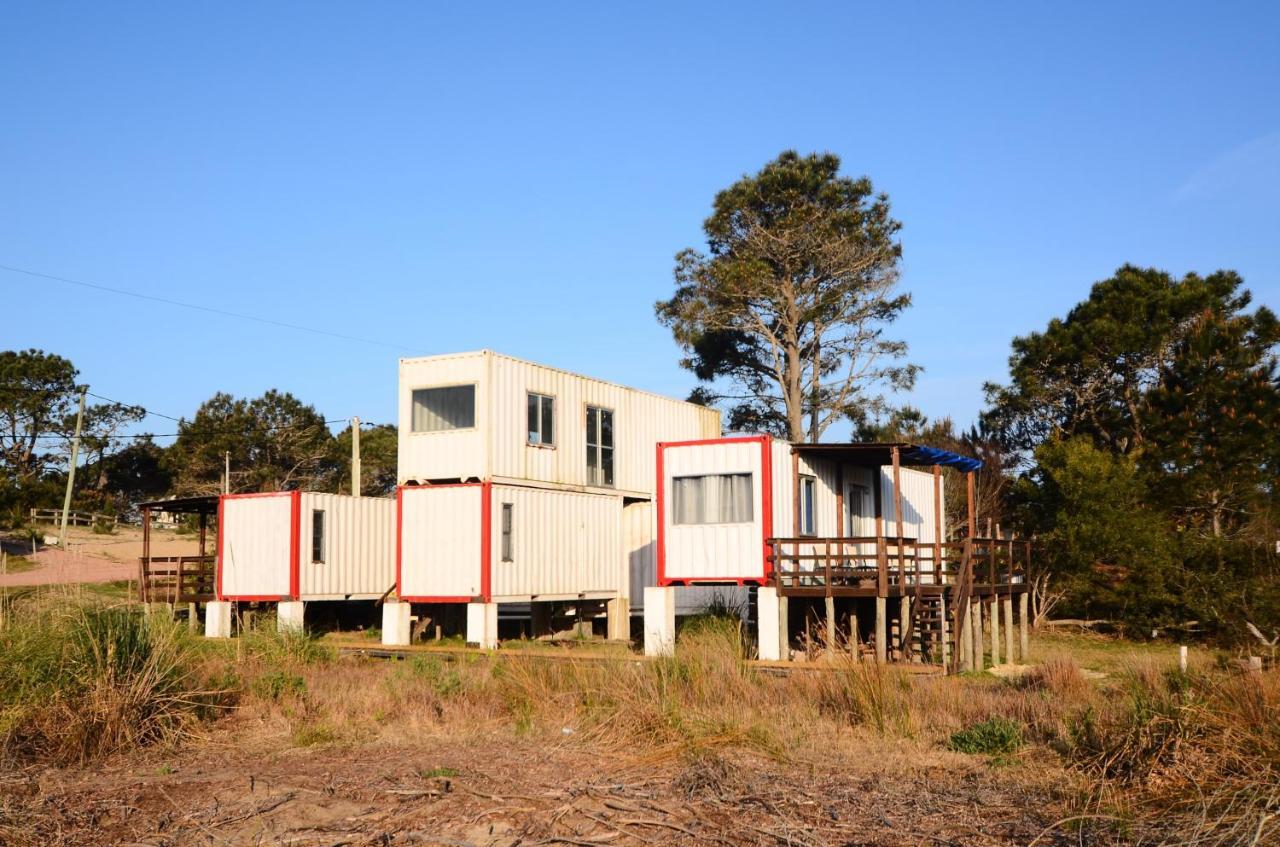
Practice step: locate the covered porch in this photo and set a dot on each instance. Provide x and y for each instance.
(182, 578)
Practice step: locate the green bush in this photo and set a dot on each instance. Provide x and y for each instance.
(992, 737)
(277, 684)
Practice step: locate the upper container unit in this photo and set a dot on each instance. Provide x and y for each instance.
(485, 416)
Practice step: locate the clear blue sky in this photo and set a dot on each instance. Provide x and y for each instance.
(457, 176)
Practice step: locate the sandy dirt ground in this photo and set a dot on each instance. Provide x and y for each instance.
(94, 558)
(495, 792)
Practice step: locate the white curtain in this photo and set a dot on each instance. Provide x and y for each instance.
(719, 498)
(437, 409)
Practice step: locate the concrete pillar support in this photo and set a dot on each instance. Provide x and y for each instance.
(659, 621)
(975, 634)
(482, 625)
(905, 629)
(618, 614)
(396, 624)
(771, 629)
(882, 630)
(217, 619)
(831, 623)
(290, 615)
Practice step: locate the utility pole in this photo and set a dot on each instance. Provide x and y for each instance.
(226, 473)
(355, 457)
(71, 471)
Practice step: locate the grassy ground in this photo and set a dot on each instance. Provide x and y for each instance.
(274, 739)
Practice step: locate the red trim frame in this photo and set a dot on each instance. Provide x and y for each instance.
(766, 505)
(295, 519)
(486, 544)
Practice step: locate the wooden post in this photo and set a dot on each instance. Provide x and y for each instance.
(882, 627)
(964, 641)
(944, 630)
(973, 516)
(905, 628)
(355, 457)
(937, 524)
(840, 504)
(144, 564)
(1023, 639)
(831, 621)
(994, 614)
(71, 470)
(1007, 604)
(979, 662)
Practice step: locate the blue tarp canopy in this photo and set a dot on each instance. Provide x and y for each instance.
(881, 453)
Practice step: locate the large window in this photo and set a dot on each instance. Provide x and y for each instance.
(440, 409)
(716, 498)
(508, 554)
(599, 446)
(317, 536)
(542, 419)
(808, 496)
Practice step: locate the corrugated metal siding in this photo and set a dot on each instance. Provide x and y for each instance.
(784, 506)
(359, 541)
(638, 528)
(918, 519)
(715, 551)
(456, 454)
(563, 543)
(440, 541)
(640, 421)
(255, 546)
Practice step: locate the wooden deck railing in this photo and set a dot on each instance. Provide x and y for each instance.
(871, 566)
(177, 579)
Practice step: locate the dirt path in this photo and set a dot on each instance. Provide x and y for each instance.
(492, 793)
(93, 558)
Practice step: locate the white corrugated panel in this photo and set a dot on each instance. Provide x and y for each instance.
(638, 528)
(918, 519)
(448, 455)
(499, 446)
(563, 543)
(358, 547)
(255, 545)
(714, 551)
(440, 541)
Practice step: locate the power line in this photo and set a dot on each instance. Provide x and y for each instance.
(144, 409)
(209, 309)
(57, 437)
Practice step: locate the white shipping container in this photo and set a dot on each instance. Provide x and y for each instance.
(638, 532)
(509, 543)
(296, 545)
(499, 445)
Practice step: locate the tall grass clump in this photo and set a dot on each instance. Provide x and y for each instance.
(78, 682)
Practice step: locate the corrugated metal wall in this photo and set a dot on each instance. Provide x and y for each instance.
(715, 551)
(255, 545)
(455, 454)
(918, 519)
(440, 541)
(638, 528)
(359, 547)
(498, 447)
(563, 543)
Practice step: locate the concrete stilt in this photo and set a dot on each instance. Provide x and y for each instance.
(831, 624)
(482, 625)
(771, 632)
(994, 614)
(855, 638)
(396, 624)
(882, 630)
(975, 631)
(193, 616)
(964, 637)
(217, 619)
(1024, 646)
(618, 614)
(290, 616)
(659, 621)
(1006, 604)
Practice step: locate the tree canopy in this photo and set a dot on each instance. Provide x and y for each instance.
(788, 307)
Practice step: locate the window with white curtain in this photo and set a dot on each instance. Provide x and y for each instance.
(808, 497)
(712, 499)
(444, 408)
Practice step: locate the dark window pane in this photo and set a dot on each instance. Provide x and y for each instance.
(317, 536)
(533, 419)
(548, 420)
(607, 462)
(606, 428)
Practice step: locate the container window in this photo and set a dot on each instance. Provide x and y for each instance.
(507, 552)
(317, 536)
(599, 446)
(542, 415)
(445, 408)
(712, 499)
(808, 494)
